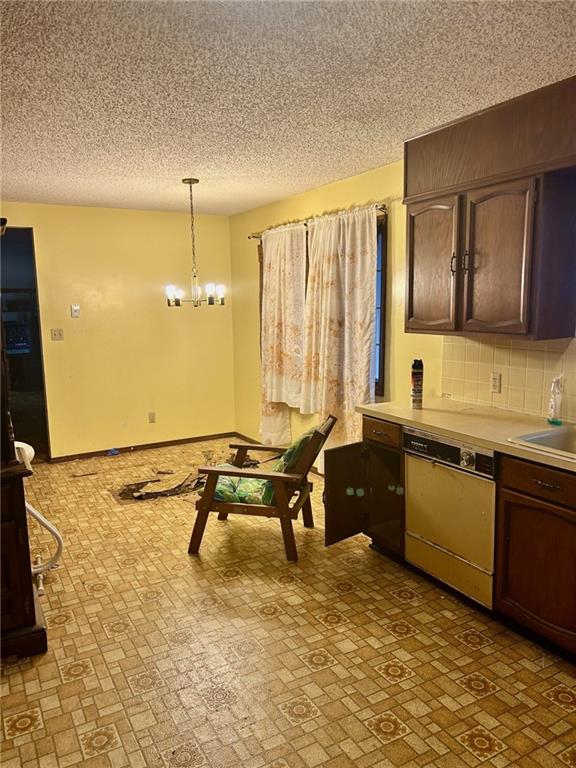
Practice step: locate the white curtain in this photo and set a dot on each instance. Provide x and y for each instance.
(339, 325)
(283, 294)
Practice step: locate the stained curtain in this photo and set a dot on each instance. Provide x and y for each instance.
(282, 329)
(339, 322)
(318, 353)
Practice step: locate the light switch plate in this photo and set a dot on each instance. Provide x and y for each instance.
(57, 334)
(74, 310)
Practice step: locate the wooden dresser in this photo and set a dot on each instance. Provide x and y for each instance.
(22, 622)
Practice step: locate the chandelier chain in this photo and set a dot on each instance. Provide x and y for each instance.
(194, 267)
(214, 293)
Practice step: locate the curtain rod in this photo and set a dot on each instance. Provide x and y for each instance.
(380, 206)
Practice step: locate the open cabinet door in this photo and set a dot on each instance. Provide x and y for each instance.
(346, 494)
(386, 525)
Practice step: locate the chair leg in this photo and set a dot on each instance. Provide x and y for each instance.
(240, 457)
(198, 531)
(289, 540)
(285, 520)
(202, 516)
(222, 515)
(307, 518)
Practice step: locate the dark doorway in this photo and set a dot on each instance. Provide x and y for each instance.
(21, 325)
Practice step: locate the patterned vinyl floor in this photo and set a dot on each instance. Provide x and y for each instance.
(238, 658)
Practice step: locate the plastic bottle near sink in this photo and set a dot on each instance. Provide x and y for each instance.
(555, 403)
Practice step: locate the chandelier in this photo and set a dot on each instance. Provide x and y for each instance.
(213, 294)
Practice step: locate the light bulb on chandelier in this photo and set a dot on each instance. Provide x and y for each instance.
(214, 293)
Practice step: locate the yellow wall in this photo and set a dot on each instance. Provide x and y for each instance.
(198, 369)
(129, 353)
(384, 183)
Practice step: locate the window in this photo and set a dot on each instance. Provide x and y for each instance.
(380, 331)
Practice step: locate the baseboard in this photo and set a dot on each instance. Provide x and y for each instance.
(148, 446)
(246, 439)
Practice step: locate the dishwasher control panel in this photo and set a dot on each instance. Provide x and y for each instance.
(480, 461)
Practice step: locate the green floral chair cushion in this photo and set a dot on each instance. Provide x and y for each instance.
(250, 490)
(243, 490)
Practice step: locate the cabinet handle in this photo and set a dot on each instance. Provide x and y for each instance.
(465, 260)
(453, 263)
(548, 486)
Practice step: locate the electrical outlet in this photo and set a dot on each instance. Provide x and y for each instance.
(495, 383)
(152, 417)
(74, 310)
(57, 334)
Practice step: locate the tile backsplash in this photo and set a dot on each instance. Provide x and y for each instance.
(526, 367)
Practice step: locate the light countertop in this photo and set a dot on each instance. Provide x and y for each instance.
(481, 426)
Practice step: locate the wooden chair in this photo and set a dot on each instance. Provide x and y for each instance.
(291, 490)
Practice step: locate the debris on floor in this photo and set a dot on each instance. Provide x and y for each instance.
(173, 484)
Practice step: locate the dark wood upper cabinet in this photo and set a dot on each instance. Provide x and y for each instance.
(497, 190)
(513, 267)
(432, 249)
(553, 294)
(497, 257)
(531, 134)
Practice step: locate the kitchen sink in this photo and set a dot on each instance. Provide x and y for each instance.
(558, 440)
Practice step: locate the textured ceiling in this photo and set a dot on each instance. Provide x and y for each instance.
(112, 103)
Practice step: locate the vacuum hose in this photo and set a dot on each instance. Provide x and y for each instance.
(40, 568)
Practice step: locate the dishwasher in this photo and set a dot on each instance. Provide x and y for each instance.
(450, 512)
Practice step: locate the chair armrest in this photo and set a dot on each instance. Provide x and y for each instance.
(255, 473)
(258, 447)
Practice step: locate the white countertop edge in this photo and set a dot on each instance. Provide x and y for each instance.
(502, 423)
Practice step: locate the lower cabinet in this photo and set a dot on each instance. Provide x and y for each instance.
(23, 629)
(16, 590)
(364, 493)
(536, 551)
(535, 554)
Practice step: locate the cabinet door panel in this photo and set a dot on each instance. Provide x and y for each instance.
(536, 566)
(386, 515)
(17, 601)
(13, 585)
(498, 257)
(345, 492)
(432, 251)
